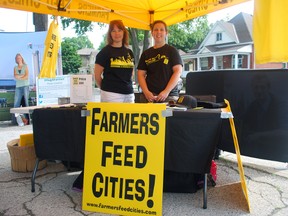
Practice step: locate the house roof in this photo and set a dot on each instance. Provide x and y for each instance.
(226, 48)
(243, 26)
(238, 31)
(229, 29)
(86, 51)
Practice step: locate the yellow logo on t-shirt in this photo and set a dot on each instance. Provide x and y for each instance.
(121, 62)
(156, 59)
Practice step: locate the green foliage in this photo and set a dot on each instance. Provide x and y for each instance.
(71, 61)
(188, 34)
(103, 43)
(80, 42)
(80, 26)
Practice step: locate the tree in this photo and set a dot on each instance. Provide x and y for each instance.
(188, 34)
(71, 61)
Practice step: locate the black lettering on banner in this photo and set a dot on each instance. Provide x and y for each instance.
(98, 178)
(95, 121)
(139, 187)
(128, 155)
(124, 123)
(53, 37)
(51, 45)
(105, 153)
(104, 122)
(134, 122)
(49, 54)
(128, 189)
(114, 187)
(154, 122)
(141, 157)
(106, 190)
(113, 181)
(144, 123)
(121, 188)
(117, 154)
(113, 122)
(117, 157)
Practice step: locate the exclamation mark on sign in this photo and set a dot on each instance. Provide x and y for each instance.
(150, 202)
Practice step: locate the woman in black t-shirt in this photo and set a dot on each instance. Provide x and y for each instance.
(159, 67)
(114, 66)
(113, 73)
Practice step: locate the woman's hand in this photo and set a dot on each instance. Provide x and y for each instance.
(150, 97)
(162, 96)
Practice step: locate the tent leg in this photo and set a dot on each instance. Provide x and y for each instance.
(205, 192)
(34, 175)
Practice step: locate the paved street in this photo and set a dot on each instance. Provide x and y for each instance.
(266, 182)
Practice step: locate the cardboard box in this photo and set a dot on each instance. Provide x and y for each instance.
(23, 158)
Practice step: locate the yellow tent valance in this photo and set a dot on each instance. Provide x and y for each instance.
(134, 13)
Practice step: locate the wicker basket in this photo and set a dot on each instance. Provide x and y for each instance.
(23, 158)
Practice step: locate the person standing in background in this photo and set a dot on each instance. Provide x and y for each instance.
(113, 72)
(159, 68)
(21, 75)
(114, 66)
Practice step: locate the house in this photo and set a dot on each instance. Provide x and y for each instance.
(88, 57)
(228, 45)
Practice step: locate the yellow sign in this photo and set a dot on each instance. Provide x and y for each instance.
(124, 158)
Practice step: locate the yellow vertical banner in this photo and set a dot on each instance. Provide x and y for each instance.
(238, 154)
(52, 45)
(270, 32)
(124, 158)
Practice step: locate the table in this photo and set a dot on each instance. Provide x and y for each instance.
(191, 138)
(29, 109)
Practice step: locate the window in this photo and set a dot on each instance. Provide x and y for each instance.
(204, 63)
(219, 37)
(240, 61)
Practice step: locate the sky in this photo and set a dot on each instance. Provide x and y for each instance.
(21, 21)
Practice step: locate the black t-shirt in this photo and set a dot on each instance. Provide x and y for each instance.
(118, 66)
(158, 63)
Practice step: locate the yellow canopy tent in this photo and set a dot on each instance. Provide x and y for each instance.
(270, 17)
(270, 31)
(134, 13)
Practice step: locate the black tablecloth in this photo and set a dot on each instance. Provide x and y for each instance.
(191, 137)
(59, 133)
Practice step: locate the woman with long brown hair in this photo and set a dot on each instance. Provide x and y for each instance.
(114, 66)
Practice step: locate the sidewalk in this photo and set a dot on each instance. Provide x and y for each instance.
(266, 183)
